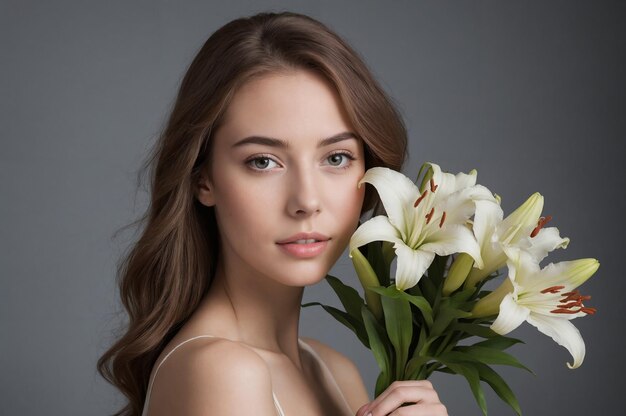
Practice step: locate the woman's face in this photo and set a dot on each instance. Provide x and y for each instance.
(267, 190)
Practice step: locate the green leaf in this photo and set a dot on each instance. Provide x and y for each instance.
(399, 329)
(422, 304)
(422, 342)
(378, 342)
(436, 270)
(349, 321)
(499, 386)
(475, 329)
(349, 297)
(492, 356)
(445, 316)
(382, 382)
(499, 342)
(473, 379)
(429, 290)
(463, 295)
(419, 301)
(414, 366)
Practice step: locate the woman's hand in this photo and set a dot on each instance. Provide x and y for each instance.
(419, 395)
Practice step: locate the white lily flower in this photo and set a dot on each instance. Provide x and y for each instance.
(421, 225)
(523, 228)
(545, 298)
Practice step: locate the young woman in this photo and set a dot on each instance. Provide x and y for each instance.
(254, 196)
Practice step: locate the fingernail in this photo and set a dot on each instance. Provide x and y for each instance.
(369, 414)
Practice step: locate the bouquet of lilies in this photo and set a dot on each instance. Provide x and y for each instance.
(449, 238)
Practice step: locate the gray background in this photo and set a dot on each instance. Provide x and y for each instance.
(531, 94)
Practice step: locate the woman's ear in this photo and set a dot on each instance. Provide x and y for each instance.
(204, 191)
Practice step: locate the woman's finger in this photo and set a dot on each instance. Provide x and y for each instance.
(363, 409)
(427, 409)
(400, 383)
(420, 392)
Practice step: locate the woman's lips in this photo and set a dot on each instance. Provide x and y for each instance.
(304, 250)
(304, 236)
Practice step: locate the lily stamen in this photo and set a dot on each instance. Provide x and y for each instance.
(443, 218)
(418, 200)
(430, 215)
(561, 310)
(571, 301)
(570, 296)
(552, 289)
(433, 187)
(572, 304)
(542, 221)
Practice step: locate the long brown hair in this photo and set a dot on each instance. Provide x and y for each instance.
(169, 269)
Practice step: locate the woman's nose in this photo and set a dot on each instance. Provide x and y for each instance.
(304, 197)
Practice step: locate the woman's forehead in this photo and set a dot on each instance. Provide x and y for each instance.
(286, 106)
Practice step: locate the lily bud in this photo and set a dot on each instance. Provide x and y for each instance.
(510, 231)
(429, 174)
(367, 277)
(490, 304)
(458, 272)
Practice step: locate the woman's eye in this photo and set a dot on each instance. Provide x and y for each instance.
(336, 158)
(260, 163)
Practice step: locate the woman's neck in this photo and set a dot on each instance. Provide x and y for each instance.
(258, 312)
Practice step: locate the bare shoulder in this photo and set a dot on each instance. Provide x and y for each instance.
(345, 372)
(212, 376)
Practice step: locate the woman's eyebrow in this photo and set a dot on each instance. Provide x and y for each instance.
(270, 141)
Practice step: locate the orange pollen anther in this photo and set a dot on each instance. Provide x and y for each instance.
(552, 289)
(418, 200)
(570, 296)
(572, 302)
(433, 187)
(542, 221)
(430, 215)
(443, 218)
(561, 310)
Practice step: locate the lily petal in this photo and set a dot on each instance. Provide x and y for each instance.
(461, 205)
(411, 265)
(510, 317)
(487, 216)
(522, 266)
(374, 229)
(465, 180)
(445, 182)
(571, 274)
(523, 218)
(453, 238)
(547, 240)
(396, 192)
(564, 333)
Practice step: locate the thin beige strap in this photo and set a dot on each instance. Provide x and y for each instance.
(277, 406)
(147, 401)
(329, 375)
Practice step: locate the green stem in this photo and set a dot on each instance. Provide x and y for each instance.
(431, 369)
(452, 344)
(444, 343)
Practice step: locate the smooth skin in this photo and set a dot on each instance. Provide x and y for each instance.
(264, 193)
